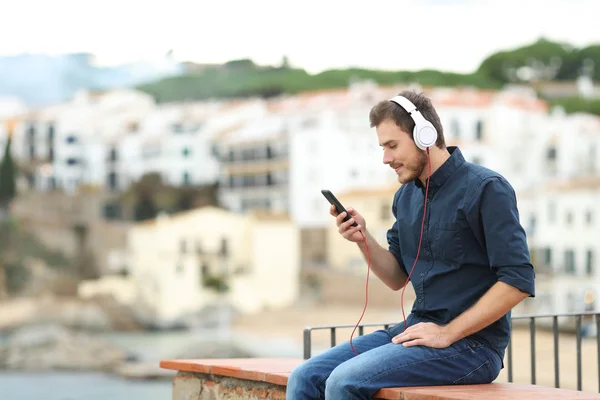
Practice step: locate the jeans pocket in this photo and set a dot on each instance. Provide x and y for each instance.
(481, 374)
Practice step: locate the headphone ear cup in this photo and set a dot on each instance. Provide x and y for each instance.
(424, 135)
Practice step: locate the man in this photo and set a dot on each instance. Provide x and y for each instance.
(473, 268)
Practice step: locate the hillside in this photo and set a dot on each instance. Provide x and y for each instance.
(542, 60)
(251, 80)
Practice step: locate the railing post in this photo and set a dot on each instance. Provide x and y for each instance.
(532, 340)
(510, 359)
(578, 333)
(598, 346)
(556, 367)
(332, 338)
(307, 343)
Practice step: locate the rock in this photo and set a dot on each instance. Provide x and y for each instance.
(95, 315)
(84, 316)
(52, 347)
(214, 349)
(144, 371)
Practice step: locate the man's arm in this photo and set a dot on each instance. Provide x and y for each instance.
(508, 255)
(494, 304)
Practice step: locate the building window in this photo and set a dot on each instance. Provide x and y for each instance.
(547, 256)
(455, 128)
(186, 178)
(182, 246)
(569, 218)
(71, 139)
(224, 250)
(589, 262)
(113, 155)
(588, 217)
(178, 128)
(111, 181)
(532, 223)
(185, 152)
(203, 270)
(570, 262)
(479, 130)
(72, 161)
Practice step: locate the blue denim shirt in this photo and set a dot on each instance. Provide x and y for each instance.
(472, 238)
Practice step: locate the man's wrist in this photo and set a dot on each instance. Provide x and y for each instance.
(452, 333)
(361, 243)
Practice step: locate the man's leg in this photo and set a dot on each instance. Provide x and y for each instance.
(393, 365)
(307, 381)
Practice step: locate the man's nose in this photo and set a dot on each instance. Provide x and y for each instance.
(387, 159)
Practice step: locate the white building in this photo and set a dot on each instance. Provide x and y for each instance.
(173, 259)
(561, 214)
(64, 146)
(110, 139)
(176, 141)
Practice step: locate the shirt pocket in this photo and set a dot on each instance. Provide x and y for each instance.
(447, 245)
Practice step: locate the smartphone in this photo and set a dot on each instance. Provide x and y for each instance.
(339, 207)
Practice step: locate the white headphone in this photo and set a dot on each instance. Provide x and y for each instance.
(424, 134)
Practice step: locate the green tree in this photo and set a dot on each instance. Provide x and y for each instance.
(8, 173)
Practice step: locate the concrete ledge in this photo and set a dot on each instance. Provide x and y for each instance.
(266, 378)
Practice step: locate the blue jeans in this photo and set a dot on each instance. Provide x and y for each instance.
(340, 374)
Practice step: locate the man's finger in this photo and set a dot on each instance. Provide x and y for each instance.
(400, 338)
(416, 342)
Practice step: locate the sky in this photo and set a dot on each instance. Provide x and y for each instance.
(450, 35)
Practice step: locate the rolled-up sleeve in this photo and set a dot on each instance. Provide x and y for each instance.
(392, 236)
(505, 238)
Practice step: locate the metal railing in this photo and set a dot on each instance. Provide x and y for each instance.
(509, 351)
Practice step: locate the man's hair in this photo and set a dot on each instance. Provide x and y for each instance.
(388, 110)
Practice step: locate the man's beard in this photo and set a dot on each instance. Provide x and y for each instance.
(415, 168)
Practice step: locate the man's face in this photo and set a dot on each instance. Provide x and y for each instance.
(400, 152)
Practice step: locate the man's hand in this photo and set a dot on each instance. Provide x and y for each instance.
(349, 232)
(425, 334)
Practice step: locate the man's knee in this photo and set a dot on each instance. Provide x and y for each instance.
(344, 380)
(299, 375)
(305, 377)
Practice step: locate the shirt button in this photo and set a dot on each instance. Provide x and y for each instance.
(420, 299)
(422, 273)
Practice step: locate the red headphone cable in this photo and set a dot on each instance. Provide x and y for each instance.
(413, 267)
